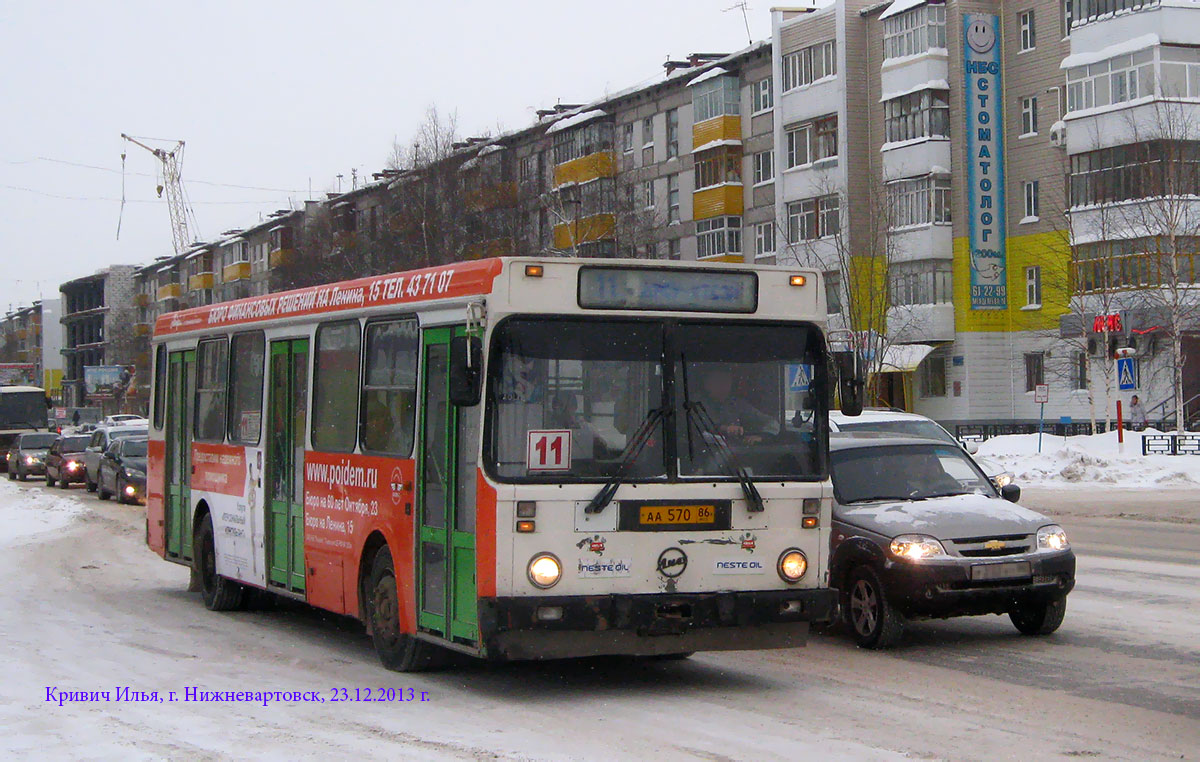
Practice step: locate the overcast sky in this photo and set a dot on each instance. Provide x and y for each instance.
(277, 96)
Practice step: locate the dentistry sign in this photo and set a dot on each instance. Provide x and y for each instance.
(985, 161)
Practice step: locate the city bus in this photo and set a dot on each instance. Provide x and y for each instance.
(511, 458)
(23, 409)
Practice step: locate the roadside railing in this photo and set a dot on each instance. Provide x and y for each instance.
(981, 432)
(1171, 444)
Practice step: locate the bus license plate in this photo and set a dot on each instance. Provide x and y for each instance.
(677, 514)
(1010, 570)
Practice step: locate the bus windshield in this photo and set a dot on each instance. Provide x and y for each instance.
(571, 399)
(23, 410)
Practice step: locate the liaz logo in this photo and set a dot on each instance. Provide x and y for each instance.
(672, 562)
(397, 485)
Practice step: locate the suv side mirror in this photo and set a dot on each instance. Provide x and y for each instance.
(850, 393)
(466, 370)
(1010, 492)
(971, 446)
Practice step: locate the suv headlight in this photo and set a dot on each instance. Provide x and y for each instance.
(917, 547)
(1052, 537)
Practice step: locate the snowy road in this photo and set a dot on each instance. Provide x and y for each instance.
(86, 607)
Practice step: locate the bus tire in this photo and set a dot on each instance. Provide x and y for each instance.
(219, 593)
(397, 651)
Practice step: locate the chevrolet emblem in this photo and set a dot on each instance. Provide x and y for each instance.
(994, 544)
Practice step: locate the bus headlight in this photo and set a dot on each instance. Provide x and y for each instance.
(544, 570)
(792, 565)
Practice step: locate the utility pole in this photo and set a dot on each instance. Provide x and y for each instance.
(172, 185)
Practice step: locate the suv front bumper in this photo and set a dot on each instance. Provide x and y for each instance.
(945, 588)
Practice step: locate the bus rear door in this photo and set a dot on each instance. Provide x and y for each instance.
(181, 386)
(288, 388)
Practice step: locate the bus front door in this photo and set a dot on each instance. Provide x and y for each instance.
(288, 405)
(446, 497)
(181, 385)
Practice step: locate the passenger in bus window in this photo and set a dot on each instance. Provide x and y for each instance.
(379, 425)
(732, 415)
(587, 441)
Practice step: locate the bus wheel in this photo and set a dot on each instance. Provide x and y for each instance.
(219, 593)
(397, 651)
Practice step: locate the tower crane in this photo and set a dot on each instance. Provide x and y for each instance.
(172, 185)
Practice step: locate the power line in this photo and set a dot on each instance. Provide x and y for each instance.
(147, 174)
(261, 202)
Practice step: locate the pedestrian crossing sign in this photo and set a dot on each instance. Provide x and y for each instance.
(1127, 373)
(799, 377)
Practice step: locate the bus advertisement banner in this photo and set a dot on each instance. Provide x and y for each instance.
(17, 373)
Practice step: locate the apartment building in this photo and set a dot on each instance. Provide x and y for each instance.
(27, 351)
(95, 311)
(958, 158)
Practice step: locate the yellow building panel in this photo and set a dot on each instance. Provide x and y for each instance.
(717, 128)
(496, 196)
(869, 301)
(590, 167)
(595, 228)
(1051, 252)
(141, 299)
(200, 281)
(724, 258)
(170, 291)
(280, 257)
(236, 271)
(718, 201)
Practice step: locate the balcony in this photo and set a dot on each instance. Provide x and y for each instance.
(281, 257)
(170, 291)
(141, 299)
(236, 271)
(717, 128)
(590, 167)
(595, 228)
(717, 201)
(495, 196)
(201, 281)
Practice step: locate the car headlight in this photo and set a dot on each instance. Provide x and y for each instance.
(72, 465)
(30, 460)
(544, 570)
(1003, 480)
(917, 547)
(141, 475)
(1052, 537)
(792, 565)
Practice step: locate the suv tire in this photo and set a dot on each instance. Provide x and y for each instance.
(872, 620)
(1039, 617)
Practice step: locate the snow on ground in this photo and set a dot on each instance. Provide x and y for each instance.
(1088, 461)
(27, 513)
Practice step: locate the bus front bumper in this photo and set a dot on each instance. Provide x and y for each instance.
(558, 627)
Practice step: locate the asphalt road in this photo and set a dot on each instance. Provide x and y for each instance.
(89, 608)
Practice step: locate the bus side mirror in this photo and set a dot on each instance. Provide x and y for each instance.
(466, 370)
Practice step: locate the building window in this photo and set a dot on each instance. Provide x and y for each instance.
(1135, 263)
(1134, 171)
(809, 65)
(1031, 199)
(1029, 116)
(1028, 32)
(761, 96)
(764, 239)
(1090, 10)
(711, 98)
(673, 248)
(1122, 78)
(1035, 374)
(928, 281)
(919, 201)
(813, 218)
(648, 194)
(1033, 286)
(915, 31)
(672, 133)
(1180, 73)
(718, 166)
(933, 376)
(923, 114)
(626, 139)
(833, 293)
(812, 141)
(1079, 371)
(764, 167)
(1068, 16)
(583, 141)
(717, 236)
(648, 132)
(673, 198)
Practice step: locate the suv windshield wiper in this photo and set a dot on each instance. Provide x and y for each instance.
(633, 448)
(877, 499)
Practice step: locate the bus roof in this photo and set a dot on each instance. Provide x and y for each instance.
(10, 389)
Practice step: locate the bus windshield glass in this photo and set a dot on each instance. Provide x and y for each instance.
(581, 399)
(22, 410)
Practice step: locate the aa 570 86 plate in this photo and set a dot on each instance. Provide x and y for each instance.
(663, 515)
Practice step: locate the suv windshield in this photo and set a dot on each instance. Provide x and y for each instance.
(114, 434)
(134, 449)
(903, 427)
(37, 441)
(75, 444)
(904, 472)
(568, 397)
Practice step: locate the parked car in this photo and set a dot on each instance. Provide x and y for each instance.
(64, 460)
(123, 470)
(123, 419)
(919, 531)
(900, 423)
(27, 456)
(102, 437)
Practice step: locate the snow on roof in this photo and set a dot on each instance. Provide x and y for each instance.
(716, 144)
(933, 84)
(900, 6)
(583, 117)
(1131, 45)
(490, 148)
(904, 357)
(9, 389)
(705, 76)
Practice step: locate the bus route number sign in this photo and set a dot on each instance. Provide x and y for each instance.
(549, 450)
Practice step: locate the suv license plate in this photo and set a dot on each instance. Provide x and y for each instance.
(1009, 570)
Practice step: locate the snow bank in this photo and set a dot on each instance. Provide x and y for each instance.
(26, 513)
(1089, 461)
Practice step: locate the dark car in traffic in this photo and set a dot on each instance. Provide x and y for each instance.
(122, 470)
(27, 456)
(64, 460)
(919, 531)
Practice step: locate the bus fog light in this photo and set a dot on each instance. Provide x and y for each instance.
(526, 509)
(792, 565)
(791, 607)
(544, 570)
(549, 613)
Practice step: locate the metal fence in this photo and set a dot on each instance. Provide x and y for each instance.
(1171, 444)
(981, 432)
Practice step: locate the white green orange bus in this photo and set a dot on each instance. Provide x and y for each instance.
(513, 458)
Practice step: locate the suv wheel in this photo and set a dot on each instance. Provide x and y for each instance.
(874, 622)
(1039, 618)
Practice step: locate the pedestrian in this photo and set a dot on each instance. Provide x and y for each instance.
(1137, 414)
(75, 418)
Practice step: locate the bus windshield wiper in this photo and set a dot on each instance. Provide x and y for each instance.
(698, 415)
(633, 448)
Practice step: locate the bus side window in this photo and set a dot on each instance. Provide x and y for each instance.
(210, 390)
(160, 383)
(335, 386)
(389, 391)
(246, 388)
